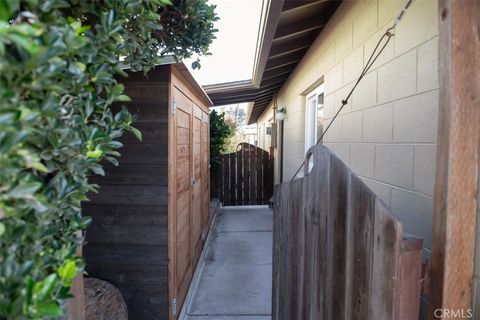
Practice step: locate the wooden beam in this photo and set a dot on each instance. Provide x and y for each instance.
(261, 105)
(278, 71)
(277, 80)
(456, 185)
(266, 94)
(264, 100)
(270, 87)
(299, 4)
(282, 48)
(299, 27)
(228, 95)
(231, 101)
(284, 60)
(260, 108)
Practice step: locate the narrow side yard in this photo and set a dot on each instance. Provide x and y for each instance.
(235, 277)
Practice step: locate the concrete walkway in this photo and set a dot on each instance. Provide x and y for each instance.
(234, 280)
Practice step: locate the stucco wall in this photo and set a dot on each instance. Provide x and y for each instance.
(387, 132)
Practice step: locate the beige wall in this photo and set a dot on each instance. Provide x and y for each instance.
(387, 132)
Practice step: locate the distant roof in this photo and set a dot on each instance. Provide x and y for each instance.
(287, 30)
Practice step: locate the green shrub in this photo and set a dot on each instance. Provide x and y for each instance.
(220, 133)
(58, 64)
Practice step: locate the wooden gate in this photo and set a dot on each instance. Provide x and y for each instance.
(245, 177)
(337, 252)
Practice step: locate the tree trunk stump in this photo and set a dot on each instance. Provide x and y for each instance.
(103, 301)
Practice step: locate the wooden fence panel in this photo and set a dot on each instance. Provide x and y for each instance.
(245, 177)
(337, 252)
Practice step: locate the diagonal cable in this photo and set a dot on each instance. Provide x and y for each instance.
(371, 60)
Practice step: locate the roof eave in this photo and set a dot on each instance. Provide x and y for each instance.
(271, 10)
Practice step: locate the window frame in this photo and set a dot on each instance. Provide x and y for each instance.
(311, 134)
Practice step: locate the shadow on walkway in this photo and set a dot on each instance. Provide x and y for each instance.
(234, 280)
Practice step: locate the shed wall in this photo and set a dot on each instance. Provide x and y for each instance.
(127, 240)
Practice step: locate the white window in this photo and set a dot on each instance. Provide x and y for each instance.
(314, 116)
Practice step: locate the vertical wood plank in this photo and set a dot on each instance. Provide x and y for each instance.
(246, 164)
(257, 165)
(277, 264)
(361, 208)
(223, 183)
(311, 232)
(409, 269)
(320, 233)
(76, 305)
(226, 178)
(387, 238)
(239, 176)
(336, 249)
(229, 179)
(337, 241)
(456, 185)
(253, 193)
(264, 178)
(233, 159)
(297, 255)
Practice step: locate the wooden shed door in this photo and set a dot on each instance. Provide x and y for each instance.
(183, 223)
(197, 182)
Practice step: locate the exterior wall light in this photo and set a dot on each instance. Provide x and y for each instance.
(280, 114)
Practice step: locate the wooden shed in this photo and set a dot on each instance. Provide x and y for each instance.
(151, 216)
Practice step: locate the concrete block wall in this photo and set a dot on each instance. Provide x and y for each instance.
(387, 132)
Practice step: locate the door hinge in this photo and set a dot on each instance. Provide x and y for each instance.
(174, 307)
(174, 106)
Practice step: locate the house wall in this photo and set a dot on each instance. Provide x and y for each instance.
(387, 132)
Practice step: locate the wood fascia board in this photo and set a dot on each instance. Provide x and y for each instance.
(183, 70)
(249, 110)
(267, 29)
(228, 86)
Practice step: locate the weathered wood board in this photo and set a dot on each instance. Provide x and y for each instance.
(337, 252)
(152, 211)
